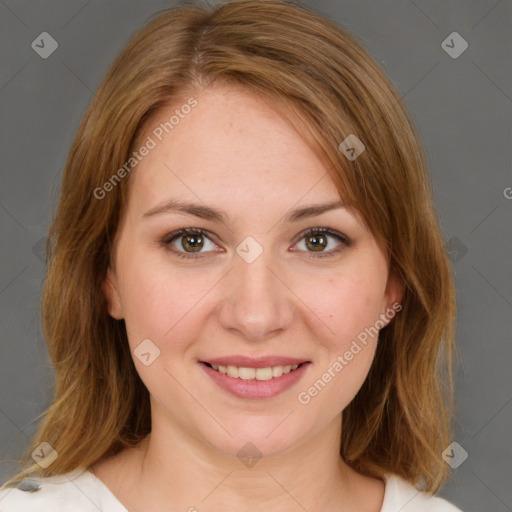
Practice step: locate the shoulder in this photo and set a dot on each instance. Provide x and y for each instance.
(401, 496)
(71, 491)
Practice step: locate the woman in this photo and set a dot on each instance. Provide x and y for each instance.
(248, 302)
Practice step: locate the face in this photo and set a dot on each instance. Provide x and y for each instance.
(275, 297)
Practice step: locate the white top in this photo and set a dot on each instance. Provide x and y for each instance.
(82, 491)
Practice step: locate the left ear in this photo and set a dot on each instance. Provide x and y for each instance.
(393, 295)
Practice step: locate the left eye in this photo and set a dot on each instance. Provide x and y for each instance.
(317, 240)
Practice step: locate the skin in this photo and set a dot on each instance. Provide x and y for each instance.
(236, 153)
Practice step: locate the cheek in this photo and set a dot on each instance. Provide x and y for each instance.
(350, 308)
(347, 303)
(158, 304)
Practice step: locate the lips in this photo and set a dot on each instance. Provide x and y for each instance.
(263, 377)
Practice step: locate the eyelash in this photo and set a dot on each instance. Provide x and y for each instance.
(345, 242)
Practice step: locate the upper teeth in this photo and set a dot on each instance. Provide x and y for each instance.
(242, 372)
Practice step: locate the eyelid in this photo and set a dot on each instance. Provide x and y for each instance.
(325, 230)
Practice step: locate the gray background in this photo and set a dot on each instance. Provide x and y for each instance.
(462, 109)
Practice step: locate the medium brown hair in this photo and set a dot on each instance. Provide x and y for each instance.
(328, 87)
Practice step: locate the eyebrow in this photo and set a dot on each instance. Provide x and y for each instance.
(213, 214)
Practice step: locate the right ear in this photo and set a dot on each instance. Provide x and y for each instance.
(110, 288)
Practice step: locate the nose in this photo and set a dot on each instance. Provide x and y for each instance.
(257, 304)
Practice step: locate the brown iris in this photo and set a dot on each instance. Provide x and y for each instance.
(319, 242)
(195, 242)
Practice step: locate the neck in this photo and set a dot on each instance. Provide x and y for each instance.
(172, 467)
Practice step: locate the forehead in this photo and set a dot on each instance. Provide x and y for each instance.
(231, 145)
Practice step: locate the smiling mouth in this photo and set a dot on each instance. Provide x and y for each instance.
(247, 373)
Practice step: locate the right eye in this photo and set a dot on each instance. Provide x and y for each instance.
(188, 242)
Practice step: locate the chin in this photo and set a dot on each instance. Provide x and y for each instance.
(257, 437)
